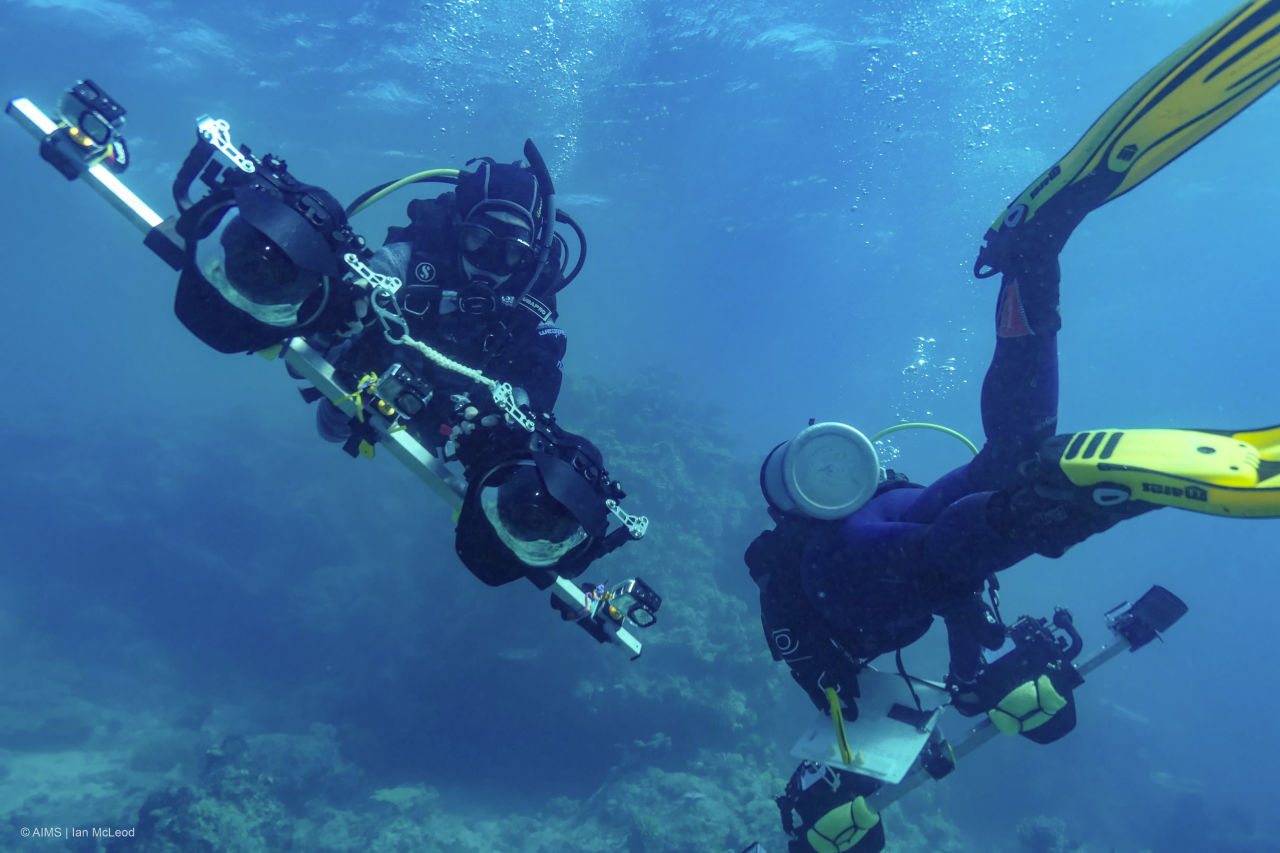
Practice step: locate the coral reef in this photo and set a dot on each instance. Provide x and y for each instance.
(1043, 834)
(449, 716)
(246, 798)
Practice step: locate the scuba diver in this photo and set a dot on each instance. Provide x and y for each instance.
(445, 334)
(476, 290)
(440, 347)
(862, 560)
(481, 266)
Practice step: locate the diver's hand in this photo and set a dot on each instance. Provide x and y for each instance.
(472, 420)
(353, 317)
(484, 440)
(966, 698)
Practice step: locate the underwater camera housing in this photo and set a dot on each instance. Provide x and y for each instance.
(263, 255)
(401, 392)
(636, 601)
(607, 610)
(89, 132)
(1034, 637)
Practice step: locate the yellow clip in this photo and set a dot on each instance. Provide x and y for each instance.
(368, 382)
(837, 720)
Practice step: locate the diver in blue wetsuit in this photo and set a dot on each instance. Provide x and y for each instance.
(918, 552)
(862, 560)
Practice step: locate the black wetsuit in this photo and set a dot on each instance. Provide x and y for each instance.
(509, 343)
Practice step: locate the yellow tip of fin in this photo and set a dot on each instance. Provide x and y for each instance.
(1221, 472)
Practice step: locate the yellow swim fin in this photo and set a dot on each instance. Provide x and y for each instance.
(1220, 472)
(1182, 100)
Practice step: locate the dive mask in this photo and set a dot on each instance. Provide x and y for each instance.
(492, 252)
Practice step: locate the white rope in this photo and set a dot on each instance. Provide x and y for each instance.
(447, 363)
(503, 393)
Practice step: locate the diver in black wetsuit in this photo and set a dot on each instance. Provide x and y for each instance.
(479, 270)
(445, 333)
(474, 291)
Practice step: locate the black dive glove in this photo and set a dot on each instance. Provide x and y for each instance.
(484, 436)
(965, 696)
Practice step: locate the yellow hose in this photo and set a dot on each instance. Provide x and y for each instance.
(390, 188)
(921, 425)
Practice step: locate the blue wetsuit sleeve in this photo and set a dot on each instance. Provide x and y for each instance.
(962, 542)
(874, 567)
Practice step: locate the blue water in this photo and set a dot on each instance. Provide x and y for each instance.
(783, 202)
